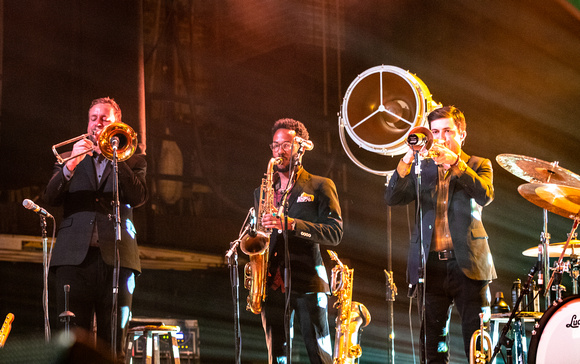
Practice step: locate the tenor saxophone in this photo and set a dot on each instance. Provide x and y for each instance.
(352, 316)
(256, 244)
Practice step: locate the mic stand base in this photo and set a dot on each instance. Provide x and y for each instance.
(232, 256)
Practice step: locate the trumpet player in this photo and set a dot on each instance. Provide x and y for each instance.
(83, 254)
(314, 219)
(454, 189)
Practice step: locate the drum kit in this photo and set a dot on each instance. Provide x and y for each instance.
(556, 335)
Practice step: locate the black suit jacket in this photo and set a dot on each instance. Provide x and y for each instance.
(468, 193)
(86, 201)
(313, 203)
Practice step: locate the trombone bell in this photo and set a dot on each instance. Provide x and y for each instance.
(127, 141)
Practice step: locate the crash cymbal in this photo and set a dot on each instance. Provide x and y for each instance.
(537, 171)
(559, 199)
(555, 249)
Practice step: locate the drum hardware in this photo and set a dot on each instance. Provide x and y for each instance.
(561, 200)
(555, 249)
(535, 170)
(571, 267)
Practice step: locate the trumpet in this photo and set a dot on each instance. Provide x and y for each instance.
(483, 355)
(126, 143)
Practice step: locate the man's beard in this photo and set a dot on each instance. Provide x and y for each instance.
(286, 168)
(282, 169)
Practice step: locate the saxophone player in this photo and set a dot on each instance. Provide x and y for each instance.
(454, 189)
(313, 219)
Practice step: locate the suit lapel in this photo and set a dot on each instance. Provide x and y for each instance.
(298, 187)
(465, 157)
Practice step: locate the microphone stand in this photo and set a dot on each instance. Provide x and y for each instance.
(232, 257)
(116, 261)
(66, 315)
(287, 268)
(45, 267)
(391, 292)
(422, 276)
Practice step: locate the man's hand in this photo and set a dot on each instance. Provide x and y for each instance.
(273, 221)
(81, 147)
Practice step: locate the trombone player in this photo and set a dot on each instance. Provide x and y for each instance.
(83, 255)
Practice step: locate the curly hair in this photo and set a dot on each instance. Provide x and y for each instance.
(291, 124)
(110, 101)
(449, 112)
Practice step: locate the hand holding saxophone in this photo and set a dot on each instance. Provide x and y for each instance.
(276, 221)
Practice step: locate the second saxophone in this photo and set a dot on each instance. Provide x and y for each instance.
(352, 316)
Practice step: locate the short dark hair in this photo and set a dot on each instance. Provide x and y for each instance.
(291, 124)
(449, 112)
(110, 101)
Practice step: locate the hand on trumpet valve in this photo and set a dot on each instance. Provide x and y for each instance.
(441, 154)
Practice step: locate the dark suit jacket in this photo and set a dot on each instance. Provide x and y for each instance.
(313, 203)
(86, 202)
(468, 193)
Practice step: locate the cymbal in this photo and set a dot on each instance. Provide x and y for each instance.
(537, 171)
(559, 199)
(555, 249)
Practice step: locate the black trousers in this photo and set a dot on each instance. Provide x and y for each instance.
(91, 292)
(446, 286)
(313, 317)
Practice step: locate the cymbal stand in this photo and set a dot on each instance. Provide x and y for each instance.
(544, 260)
(557, 275)
(574, 271)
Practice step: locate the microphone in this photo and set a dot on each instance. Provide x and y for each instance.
(34, 207)
(115, 142)
(418, 139)
(306, 144)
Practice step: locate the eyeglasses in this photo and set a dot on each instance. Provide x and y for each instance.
(285, 146)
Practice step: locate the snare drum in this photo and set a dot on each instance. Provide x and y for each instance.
(556, 337)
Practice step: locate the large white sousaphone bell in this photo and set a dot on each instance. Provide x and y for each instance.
(380, 108)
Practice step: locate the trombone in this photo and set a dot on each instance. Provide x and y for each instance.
(127, 143)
